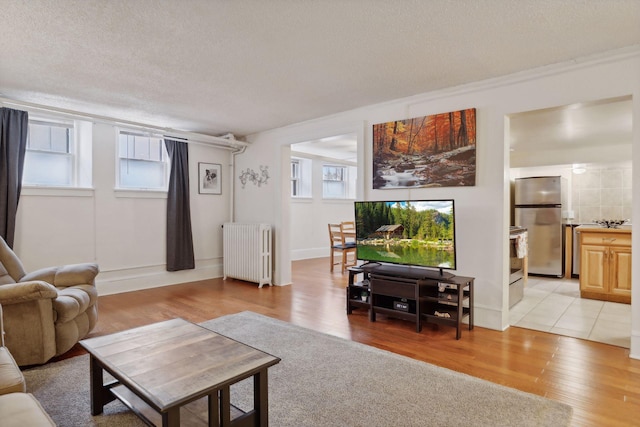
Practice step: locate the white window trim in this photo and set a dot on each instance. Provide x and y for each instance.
(345, 181)
(131, 193)
(41, 190)
(305, 179)
(141, 192)
(297, 179)
(81, 178)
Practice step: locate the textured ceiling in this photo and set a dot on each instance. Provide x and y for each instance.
(242, 66)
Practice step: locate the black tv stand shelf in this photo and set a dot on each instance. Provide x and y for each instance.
(358, 292)
(414, 294)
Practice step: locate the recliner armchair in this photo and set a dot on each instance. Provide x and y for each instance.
(46, 312)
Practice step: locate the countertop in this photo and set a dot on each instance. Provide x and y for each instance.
(595, 228)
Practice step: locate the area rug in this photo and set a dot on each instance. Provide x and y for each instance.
(323, 381)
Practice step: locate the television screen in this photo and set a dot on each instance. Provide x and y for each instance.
(417, 233)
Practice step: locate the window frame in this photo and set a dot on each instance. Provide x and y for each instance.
(78, 142)
(123, 190)
(305, 178)
(295, 177)
(344, 181)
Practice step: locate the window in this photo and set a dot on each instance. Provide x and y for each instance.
(59, 152)
(50, 154)
(301, 177)
(142, 162)
(295, 178)
(334, 182)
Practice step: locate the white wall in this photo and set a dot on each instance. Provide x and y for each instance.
(482, 211)
(123, 231)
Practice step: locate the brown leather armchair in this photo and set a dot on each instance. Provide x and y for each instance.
(46, 312)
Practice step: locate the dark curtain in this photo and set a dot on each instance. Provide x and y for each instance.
(13, 145)
(179, 237)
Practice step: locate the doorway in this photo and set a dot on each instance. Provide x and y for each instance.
(589, 144)
(323, 187)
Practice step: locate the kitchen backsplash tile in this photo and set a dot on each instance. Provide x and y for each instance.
(587, 214)
(603, 193)
(611, 197)
(589, 197)
(626, 178)
(589, 179)
(611, 212)
(611, 178)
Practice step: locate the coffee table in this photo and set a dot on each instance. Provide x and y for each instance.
(161, 368)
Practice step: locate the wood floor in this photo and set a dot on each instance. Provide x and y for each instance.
(599, 381)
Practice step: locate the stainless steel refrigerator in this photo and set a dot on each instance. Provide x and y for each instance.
(538, 208)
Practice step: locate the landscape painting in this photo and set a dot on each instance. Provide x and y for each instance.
(429, 151)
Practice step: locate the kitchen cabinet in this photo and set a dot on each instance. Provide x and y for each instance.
(605, 263)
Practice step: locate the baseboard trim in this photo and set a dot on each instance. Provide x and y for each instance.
(487, 317)
(634, 352)
(135, 279)
(300, 254)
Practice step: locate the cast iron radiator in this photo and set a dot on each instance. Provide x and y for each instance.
(247, 252)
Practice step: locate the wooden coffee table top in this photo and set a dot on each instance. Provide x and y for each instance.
(174, 362)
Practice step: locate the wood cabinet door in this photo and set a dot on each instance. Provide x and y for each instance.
(593, 268)
(620, 271)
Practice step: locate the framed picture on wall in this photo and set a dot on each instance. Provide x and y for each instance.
(209, 178)
(429, 151)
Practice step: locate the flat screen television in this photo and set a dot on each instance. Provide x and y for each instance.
(419, 233)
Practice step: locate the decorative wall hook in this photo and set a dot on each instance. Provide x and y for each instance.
(255, 177)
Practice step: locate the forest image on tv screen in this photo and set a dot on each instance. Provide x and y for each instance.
(420, 233)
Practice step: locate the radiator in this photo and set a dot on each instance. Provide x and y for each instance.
(247, 252)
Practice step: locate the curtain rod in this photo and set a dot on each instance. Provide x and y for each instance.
(191, 137)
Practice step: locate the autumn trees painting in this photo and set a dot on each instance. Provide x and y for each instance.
(428, 151)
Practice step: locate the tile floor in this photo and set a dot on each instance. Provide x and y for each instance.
(554, 305)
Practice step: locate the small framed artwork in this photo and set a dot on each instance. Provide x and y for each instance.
(209, 179)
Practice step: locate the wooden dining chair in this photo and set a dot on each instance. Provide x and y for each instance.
(348, 227)
(349, 231)
(339, 244)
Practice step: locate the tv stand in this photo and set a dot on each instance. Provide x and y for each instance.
(414, 294)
